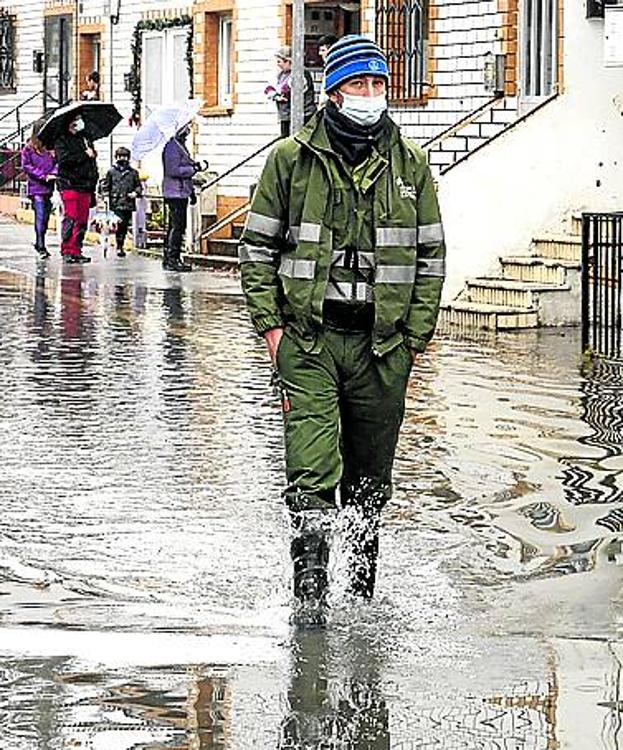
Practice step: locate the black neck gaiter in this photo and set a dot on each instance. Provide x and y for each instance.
(352, 141)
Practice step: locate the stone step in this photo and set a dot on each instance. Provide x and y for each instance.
(558, 246)
(211, 260)
(218, 246)
(505, 292)
(472, 316)
(537, 269)
(575, 224)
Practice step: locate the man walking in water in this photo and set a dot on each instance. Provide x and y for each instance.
(342, 262)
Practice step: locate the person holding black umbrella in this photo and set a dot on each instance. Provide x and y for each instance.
(77, 181)
(70, 131)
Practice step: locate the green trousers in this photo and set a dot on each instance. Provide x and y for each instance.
(343, 408)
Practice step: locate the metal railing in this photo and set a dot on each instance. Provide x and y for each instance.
(602, 276)
(239, 164)
(222, 223)
(17, 134)
(12, 143)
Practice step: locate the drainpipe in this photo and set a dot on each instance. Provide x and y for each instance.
(76, 56)
(298, 76)
(115, 9)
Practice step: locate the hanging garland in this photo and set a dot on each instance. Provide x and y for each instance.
(158, 24)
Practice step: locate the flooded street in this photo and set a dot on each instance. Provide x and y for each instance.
(144, 567)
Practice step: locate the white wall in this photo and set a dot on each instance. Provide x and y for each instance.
(226, 139)
(566, 157)
(29, 37)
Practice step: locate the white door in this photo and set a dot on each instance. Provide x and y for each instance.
(539, 51)
(165, 80)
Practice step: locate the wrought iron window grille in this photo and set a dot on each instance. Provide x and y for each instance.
(7, 53)
(401, 30)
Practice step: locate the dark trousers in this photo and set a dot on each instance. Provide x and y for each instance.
(176, 226)
(125, 217)
(344, 410)
(42, 206)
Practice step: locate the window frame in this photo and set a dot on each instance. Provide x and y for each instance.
(168, 66)
(225, 60)
(402, 32)
(8, 24)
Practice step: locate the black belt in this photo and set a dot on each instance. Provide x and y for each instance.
(344, 316)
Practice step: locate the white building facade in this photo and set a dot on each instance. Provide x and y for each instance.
(512, 98)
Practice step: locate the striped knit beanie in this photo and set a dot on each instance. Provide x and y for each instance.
(353, 56)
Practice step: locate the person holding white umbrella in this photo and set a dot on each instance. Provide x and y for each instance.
(169, 127)
(178, 191)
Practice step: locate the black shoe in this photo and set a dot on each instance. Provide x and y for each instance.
(121, 254)
(42, 252)
(309, 550)
(175, 264)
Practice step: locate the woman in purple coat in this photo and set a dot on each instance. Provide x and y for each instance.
(177, 190)
(40, 167)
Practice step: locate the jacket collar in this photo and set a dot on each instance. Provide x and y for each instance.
(314, 135)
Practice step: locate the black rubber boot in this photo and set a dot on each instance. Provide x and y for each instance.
(361, 531)
(309, 550)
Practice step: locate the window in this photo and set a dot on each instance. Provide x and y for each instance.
(402, 32)
(539, 47)
(7, 53)
(59, 65)
(164, 68)
(217, 53)
(225, 61)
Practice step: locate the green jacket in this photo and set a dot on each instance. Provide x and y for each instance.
(299, 210)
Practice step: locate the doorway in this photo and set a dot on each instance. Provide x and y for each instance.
(58, 59)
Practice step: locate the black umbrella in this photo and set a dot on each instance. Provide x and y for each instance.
(100, 119)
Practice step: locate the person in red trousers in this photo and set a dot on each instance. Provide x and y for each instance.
(77, 181)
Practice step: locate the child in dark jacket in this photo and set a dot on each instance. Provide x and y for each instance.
(40, 168)
(123, 186)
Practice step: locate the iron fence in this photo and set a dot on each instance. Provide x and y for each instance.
(400, 32)
(602, 255)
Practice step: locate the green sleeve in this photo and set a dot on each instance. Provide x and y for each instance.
(431, 252)
(263, 241)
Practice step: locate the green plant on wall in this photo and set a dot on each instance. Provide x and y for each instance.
(158, 24)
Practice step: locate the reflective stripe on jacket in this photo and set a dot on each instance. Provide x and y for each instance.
(288, 241)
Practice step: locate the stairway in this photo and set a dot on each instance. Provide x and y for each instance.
(221, 252)
(218, 243)
(471, 133)
(528, 291)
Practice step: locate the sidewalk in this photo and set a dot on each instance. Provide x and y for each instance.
(18, 255)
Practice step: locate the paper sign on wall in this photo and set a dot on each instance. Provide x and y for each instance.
(613, 36)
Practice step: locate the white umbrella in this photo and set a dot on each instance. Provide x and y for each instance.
(161, 125)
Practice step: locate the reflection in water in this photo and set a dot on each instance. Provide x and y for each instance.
(142, 465)
(590, 480)
(327, 710)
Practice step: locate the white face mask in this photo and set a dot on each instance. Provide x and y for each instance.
(364, 110)
(78, 125)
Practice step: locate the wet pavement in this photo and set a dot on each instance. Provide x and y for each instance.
(144, 575)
